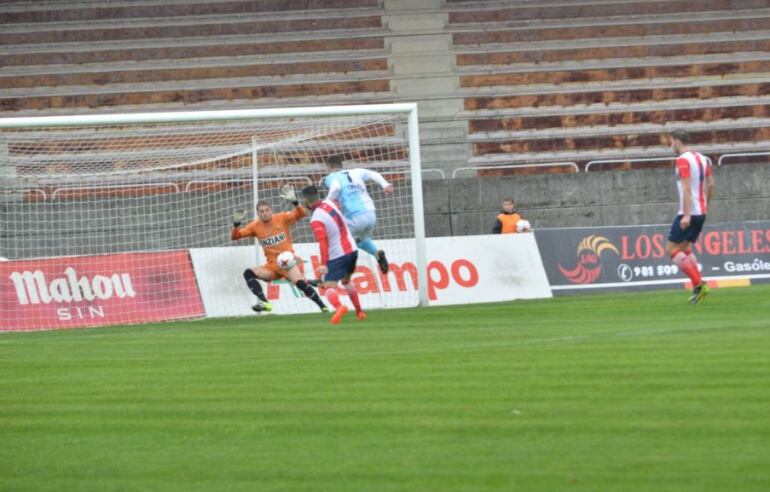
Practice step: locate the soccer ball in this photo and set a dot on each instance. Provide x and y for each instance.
(523, 226)
(286, 260)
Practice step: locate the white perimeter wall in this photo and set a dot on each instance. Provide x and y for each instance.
(461, 270)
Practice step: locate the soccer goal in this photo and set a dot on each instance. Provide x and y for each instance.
(126, 218)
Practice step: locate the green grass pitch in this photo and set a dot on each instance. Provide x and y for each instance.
(624, 392)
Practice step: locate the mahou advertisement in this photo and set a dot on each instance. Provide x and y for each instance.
(100, 290)
(634, 257)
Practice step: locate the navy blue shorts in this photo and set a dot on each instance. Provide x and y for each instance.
(679, 235)
(339, 267)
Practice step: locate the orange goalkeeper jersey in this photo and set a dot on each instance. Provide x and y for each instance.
(275, 235)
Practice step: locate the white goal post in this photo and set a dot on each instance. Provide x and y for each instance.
(127, 189)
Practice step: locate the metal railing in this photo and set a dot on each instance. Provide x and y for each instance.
(571, 165)
(744, 154)
(620, 161)
(38, 190)
(23, 191)
(190, 184)
(440, 172)
(632, 161)
(173, 186)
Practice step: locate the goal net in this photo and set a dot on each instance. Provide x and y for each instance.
(117, 219)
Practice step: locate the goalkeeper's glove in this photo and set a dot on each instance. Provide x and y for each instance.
(238, 217)
(288, 194)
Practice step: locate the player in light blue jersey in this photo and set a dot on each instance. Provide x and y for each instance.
(348, 187)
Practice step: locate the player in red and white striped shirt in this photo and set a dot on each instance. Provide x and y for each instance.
(696, 186)
(339, 253)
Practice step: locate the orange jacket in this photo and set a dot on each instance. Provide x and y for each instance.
(506, 223)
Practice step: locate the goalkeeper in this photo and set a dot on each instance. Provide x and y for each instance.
(273, 231)
(348, 187)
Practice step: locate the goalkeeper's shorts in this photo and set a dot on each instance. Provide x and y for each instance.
(362, 224)
(278, 271)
